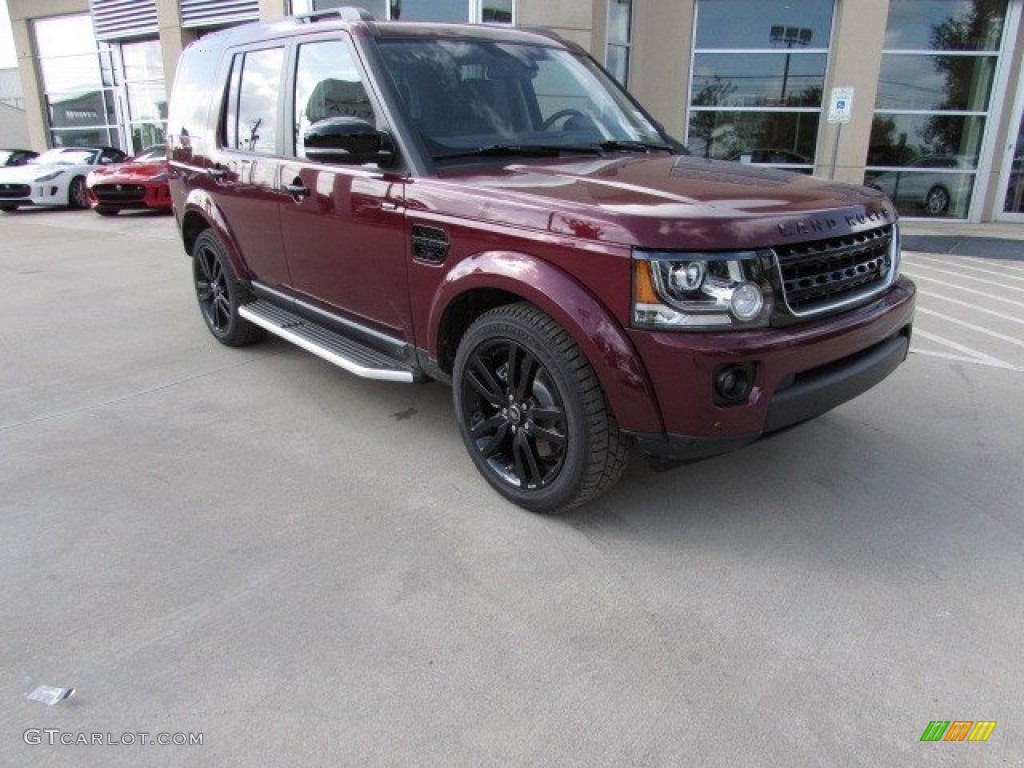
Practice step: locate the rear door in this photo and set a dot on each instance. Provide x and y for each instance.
(246, 163)
(343, 224)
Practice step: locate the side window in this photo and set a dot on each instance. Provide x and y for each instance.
(251, 124)
(327, 85)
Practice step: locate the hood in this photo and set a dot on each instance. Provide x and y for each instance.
(27, 174)
(668, 202)
(130, 171)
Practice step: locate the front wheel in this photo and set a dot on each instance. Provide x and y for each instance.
(77, 196)
(532, 414)
(6, 208)
(105, 210)
(220, 293)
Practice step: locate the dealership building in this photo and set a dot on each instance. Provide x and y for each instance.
(921, 98)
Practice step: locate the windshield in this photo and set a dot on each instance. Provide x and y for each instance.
(67, 157)
(470, 95)
(152, 153)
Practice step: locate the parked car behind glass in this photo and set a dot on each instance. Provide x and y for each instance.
(931, 185)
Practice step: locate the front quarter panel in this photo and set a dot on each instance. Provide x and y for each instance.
(592, 327)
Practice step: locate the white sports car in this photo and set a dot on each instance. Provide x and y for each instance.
(56, 177)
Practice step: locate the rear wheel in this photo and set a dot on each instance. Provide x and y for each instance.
(532, 414)
(7, 208)
(220, 293)
(77, 197)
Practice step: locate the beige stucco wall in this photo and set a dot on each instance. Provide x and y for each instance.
(572, 20)
(659, 67)
(855, 62)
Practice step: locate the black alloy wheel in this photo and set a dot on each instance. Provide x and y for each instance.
(220, 294)
(532, 413)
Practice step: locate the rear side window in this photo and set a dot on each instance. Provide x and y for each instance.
(327, 85)
(251, 124)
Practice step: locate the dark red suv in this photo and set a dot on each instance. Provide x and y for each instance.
(487, 207)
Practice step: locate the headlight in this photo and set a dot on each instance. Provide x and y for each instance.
(702, 290)
(49, 176)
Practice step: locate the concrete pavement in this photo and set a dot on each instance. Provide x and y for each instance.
(303, 567)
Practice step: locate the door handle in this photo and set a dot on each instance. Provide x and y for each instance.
(297, 191)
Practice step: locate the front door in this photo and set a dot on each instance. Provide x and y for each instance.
(343, 225)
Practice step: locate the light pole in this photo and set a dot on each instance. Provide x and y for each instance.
(789, 36)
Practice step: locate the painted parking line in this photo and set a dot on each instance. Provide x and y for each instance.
(931, 260)
(918, 276)
(972, 307)
(964, 277)
(967, 354)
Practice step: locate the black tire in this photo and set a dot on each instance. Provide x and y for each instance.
(8, 208)
(104, 210)
(77, 197)
(936, 202)
(532, 414)
(220, 293)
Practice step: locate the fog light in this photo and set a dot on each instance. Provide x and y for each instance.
(747, 301)
(733, 382)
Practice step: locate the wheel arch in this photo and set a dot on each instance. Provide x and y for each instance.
(487, 280)
(201, 214)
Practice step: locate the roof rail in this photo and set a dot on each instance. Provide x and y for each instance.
(347, 13)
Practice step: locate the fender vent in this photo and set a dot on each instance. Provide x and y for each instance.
(429, 244)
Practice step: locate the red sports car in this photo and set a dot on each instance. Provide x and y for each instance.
(138, 183)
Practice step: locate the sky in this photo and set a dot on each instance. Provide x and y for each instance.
(7, 57)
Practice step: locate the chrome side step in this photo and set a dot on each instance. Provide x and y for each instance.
(343, 352)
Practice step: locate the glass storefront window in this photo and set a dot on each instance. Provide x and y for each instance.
(758, 78)
(741, 24)
(935, 83)
(78, 82)
(620, 13)
(145, 93)
(931, 111)
(945, 25)
(142, 61)
(772, 138)
(496, 12)
(430, 10)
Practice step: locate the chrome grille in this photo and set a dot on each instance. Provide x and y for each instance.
(119, 193)
(826, 274)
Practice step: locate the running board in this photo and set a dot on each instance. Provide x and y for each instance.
(342, 351)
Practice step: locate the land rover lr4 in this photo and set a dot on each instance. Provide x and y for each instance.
(485, 206)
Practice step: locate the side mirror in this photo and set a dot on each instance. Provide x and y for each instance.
(347, 141)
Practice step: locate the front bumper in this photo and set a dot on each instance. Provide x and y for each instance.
(33, 194)
(800, 373)
(128, 196)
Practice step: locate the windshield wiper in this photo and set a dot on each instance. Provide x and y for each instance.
(521, 150)
(616, 145)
